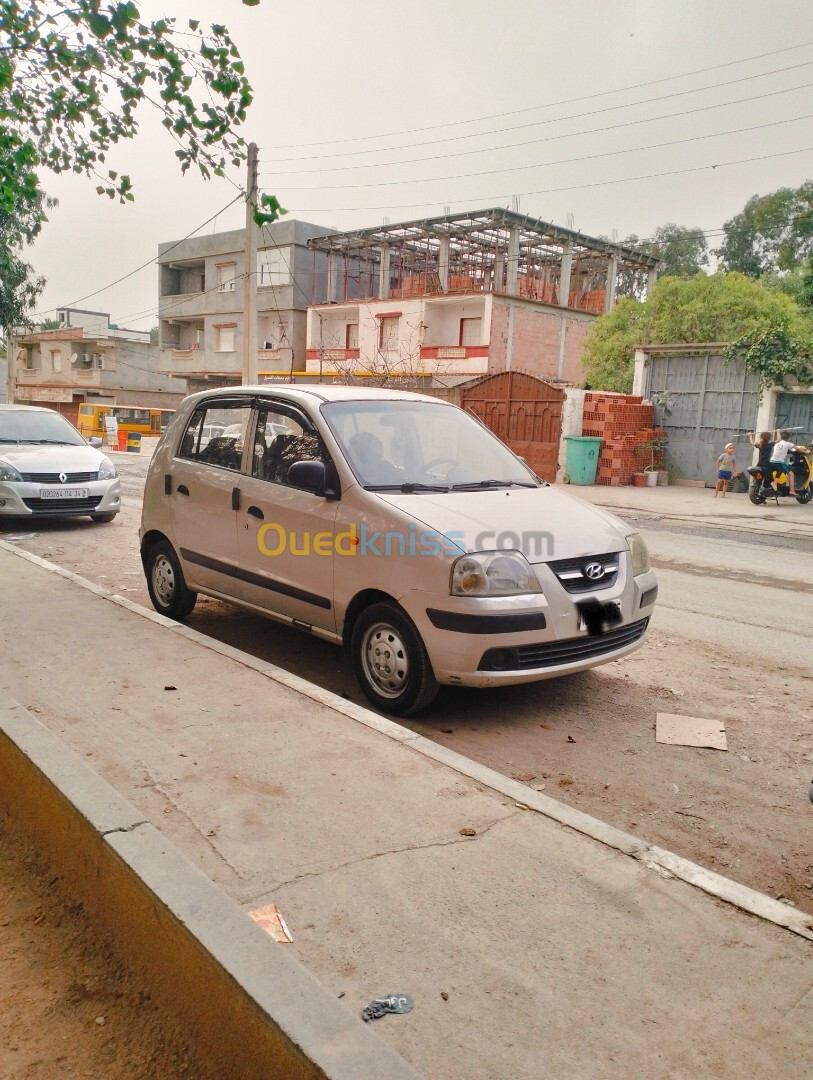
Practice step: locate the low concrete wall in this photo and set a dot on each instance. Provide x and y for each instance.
(251, 1007)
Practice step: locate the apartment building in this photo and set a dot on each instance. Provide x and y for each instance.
(465, 295)
(201, 302)
(90, 360)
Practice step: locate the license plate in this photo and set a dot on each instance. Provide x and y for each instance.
(597, 617)
(63, 493)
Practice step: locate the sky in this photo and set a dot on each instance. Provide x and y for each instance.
(613, 118)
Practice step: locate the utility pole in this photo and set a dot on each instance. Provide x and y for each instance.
(11, 370)
(250, 376)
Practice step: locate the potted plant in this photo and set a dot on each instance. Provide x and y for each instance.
(650, 474)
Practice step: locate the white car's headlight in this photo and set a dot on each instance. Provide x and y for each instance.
(9, 473)
(107, 470)
(640, 554)
(493, 573)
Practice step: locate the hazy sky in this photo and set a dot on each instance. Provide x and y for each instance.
(496, 98)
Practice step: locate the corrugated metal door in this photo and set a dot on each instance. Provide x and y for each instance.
(795, 410)
(703, 403)
(523, 411)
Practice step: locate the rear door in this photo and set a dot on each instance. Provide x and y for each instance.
(205, 495)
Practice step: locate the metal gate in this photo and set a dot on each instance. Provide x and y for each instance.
(523, 411)
(795, 411)
(703, 403)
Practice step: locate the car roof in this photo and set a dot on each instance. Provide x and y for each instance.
(24, 408)
(320, 393)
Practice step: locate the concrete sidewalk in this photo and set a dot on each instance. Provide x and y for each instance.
(561, 954)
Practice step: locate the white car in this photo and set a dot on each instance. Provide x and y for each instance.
(47, 469)
(395, 524)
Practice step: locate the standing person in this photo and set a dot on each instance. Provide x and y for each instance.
(779, 457)
(764, 445)
(726, 468)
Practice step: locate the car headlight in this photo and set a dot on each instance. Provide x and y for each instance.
(107, 470)
(640, 554)
(493, 573)
(9, 473)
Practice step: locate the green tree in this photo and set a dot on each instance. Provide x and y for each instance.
(773, 233)
(683, 252)
(72, 79)
(706, 308)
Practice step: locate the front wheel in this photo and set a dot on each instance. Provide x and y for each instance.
(391, 662)
(168, 590)
(806, 495)
(755, 492)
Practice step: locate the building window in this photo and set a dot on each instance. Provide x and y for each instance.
(56, 360)
(388, 332)
(351, 340)
(224, 341)
(274, 266)
(226, 276)
(471, 331)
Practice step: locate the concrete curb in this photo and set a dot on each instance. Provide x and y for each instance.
(663, 862)
(253, 1008)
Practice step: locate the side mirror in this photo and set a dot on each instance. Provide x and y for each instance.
(312, 476)
(95, 441)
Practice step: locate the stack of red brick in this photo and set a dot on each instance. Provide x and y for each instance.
(624, 423)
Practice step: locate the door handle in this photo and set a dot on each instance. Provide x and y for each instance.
(235, 498)
(256, 512)
(183, 489)
(168, 484)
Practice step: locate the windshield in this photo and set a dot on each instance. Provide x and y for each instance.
(22, 426)
(419, 445)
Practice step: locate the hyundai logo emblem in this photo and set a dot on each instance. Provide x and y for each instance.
(63, 478)
(594, 571)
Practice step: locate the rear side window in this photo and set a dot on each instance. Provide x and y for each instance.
(216, 434)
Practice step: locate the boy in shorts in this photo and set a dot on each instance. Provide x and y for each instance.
(726, 468)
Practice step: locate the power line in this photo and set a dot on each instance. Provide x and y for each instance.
(485, 200)
(539, 123)
(548, 164)
(536, 142)
(532, 108)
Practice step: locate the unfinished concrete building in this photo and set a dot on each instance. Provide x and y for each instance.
(465, 294)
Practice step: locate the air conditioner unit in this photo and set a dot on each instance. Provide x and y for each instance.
(81, 360)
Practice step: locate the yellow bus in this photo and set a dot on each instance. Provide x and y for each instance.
(91, 420)
(129, 418)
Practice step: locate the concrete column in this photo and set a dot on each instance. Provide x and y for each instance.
(638, 378)
(513, 262)
(651, 278)
(564, 276)
(499, 271)
(443, 264)
(384, 273)
(332, 276)
(612, 274)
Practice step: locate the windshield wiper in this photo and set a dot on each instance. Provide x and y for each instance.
(476, 485)
(407, 488)
(49, 442)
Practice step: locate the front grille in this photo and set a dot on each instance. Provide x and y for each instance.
(53, 477)
(554, 653)
(63, 506)
(572, 573)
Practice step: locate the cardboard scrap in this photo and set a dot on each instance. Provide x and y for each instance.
(272, 922)
(677, 730)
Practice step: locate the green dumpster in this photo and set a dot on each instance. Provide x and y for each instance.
(133, 442)
(581, 459)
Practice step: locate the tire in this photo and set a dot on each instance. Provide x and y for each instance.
(755, 492)
(390, 661)
(806, 495)
(168, 590)
(103, 519)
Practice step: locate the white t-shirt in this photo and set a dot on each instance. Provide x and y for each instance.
(781, 450)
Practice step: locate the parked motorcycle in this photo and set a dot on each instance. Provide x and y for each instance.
(800, 462)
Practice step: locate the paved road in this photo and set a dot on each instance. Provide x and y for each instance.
(729, 593)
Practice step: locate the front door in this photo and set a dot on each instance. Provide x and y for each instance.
(285, 534)
(206, 478)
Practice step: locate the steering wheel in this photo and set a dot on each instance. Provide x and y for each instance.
(439, 461)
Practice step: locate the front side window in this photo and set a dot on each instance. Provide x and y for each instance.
(216, 434)
(279, 441)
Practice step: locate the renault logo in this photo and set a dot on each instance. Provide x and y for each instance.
(594, 571)
(63, 478)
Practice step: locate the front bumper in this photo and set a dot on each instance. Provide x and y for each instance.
(538, 635)
(25, 500)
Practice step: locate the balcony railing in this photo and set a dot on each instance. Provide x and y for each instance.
(452, 352)
(332, 355)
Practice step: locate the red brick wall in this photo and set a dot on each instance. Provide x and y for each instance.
(623, 422)
(536, 340)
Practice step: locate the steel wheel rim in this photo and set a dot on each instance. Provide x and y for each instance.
(163, 580)
(385, 660)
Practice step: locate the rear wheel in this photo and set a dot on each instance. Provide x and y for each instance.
(755, 492)
(391, 662)
(168, 590)
(806, 495)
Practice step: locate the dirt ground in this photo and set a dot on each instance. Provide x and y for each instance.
(67, 1006)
